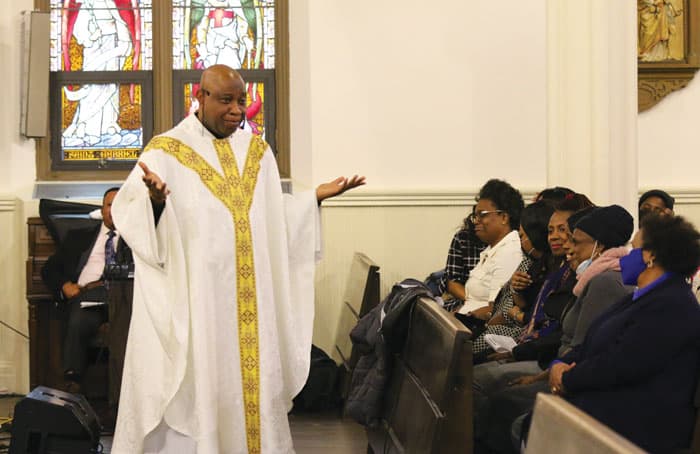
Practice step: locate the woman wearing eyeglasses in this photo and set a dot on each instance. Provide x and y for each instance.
(462, 257)
(496, 219)
(597, 246)
(536, 264)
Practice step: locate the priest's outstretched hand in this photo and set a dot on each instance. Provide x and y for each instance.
(157, 189)
(337, 187)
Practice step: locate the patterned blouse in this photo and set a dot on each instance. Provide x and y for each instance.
(462, 257)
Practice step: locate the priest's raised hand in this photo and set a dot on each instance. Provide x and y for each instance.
(338, 186)
(157, 188)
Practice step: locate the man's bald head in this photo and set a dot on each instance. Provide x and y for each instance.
(218, 75)
(222, 100)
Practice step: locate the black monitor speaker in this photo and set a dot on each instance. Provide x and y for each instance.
(51, 421)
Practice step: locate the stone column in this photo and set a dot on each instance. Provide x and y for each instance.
(592, 99)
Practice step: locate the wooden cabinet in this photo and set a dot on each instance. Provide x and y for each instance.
(46, 318)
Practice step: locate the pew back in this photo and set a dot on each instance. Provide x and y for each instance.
(361, 296)
(428, 404)
(561, 428)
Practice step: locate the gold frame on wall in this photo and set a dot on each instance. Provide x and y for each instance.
(664, 19)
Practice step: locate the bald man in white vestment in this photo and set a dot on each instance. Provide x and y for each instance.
(220, 335)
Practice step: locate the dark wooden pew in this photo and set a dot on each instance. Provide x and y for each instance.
(361, 296)
(428, 407)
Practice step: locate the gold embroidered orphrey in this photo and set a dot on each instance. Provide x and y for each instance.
(236, 193)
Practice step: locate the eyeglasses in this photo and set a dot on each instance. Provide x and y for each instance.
(480, 215)
(224, 99)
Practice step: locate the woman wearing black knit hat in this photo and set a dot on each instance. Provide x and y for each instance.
(540, 339)
(637, 369)
(596, 245)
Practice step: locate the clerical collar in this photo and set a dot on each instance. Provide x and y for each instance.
(196, 114)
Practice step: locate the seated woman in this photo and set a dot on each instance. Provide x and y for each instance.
(496, 218)
(521, 292)
(462, 257)
(541, 333)
(596, 245)
(466, 248)
(637, 368)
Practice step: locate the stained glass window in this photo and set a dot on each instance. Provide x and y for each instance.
(103, 75)
(238, 33)
(93, 132)
(101, 35)
(101, 57)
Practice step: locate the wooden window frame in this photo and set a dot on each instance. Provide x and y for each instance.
(163, 97)
(57, 80)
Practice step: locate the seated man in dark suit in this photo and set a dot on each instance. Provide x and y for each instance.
(75, 275)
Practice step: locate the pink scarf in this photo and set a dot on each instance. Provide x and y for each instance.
(609, 260)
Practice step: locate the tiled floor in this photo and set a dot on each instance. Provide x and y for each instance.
(313, 433)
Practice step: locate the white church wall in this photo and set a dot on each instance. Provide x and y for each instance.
(428, 102)
(669, 143)
(17, 172)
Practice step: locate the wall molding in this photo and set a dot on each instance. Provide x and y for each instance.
(399, 198)
(73, 189)
(83, 190)
(8, 203)
(357, 198)
(684, 196)
(394, 198)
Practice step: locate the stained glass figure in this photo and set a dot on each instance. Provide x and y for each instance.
(238, 33)
(101, 120)
(255, 112)
(101, 35)
(111, 130)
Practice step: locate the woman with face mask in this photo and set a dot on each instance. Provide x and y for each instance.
(541, 336)
(637, 369)
(597, 244)
(542, 331)
(595, 247)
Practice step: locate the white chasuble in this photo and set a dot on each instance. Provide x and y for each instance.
(220, 334)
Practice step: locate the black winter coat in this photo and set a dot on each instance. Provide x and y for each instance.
(377, 336)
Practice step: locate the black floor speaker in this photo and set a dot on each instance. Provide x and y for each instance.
(49, 421)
